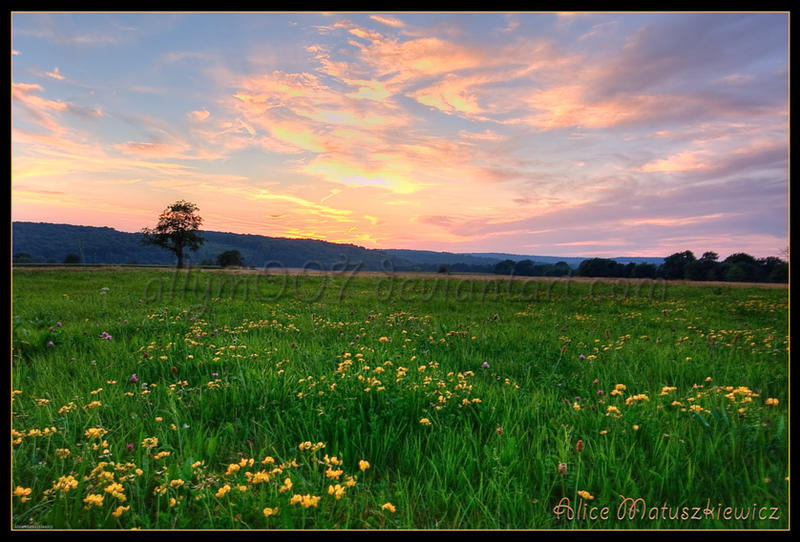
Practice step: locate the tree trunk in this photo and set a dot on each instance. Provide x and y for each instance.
(180, 258)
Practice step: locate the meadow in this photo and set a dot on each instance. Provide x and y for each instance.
(156, 399)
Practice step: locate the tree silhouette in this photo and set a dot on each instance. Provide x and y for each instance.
(176, 230)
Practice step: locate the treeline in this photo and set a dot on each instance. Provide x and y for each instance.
(738, 267)
(529, 268)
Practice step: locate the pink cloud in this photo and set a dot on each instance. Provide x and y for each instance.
(199, 115)
(55, 74)
(388, 21)
(684, 161)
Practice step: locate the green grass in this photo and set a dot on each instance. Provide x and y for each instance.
(251, 370)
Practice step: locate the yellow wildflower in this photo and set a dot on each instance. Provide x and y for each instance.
(270, 511)
(287, 485)
(222, 491)
(585, 495)
(93, 500)
(335, 474)
(771, 401)
(65, 483)
(363, 465)
(62, 453)
(120, 510)
(23, 493)
(425, 421)
(305, 501)
(337, 491)
(95, 432)
(389, 506)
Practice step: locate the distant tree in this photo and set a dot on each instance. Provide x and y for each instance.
(230, 258)
(22, 257)
(645, 271)
(443, 269)
(674, 266)
(750, 271)
(600, 267)
(72, 258)
(524, 268)
(506, 267)
(177, 230)
(780, 273)
(559, 269)
(732, 272)
(773, 269)
(706, 268)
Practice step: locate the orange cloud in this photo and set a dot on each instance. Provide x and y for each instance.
(671, 222)
(453, 94)
(684, 161)
(41, 109)
(199, 115)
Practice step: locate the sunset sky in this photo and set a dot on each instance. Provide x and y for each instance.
(569, 134)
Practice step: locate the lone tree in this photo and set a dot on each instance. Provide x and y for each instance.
(176, 230)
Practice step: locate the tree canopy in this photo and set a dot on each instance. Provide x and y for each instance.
(230, 258)
(177, 230)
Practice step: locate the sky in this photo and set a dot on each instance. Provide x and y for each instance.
(564, 134)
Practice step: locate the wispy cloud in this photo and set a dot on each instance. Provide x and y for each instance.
(55, 74)
(394, 22)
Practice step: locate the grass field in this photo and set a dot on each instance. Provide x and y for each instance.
(153, 399)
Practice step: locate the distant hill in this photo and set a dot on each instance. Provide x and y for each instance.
(45, 242)
(428, 257)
